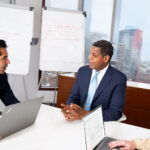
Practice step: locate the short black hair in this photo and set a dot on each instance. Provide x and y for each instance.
(2, 44)
(105, 46)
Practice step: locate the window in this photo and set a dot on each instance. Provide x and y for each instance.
(66, 4)
(98, 22)
(132, 31)
(131, 34)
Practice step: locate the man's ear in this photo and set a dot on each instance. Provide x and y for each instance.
(106, 58)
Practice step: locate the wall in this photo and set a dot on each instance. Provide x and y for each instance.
(5, 1)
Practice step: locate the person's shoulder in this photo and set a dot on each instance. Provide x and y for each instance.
(3, 78)
(118, 73)
(3, 75)
(84, 68)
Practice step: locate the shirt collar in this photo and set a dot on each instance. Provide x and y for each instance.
(101, 71)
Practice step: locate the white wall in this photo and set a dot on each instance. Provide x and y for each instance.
(5, 1)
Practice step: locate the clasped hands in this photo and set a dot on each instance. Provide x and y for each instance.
(73, 112)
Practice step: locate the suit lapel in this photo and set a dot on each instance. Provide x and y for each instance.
(104, 82)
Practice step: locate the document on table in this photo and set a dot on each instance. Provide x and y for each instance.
(94, 128)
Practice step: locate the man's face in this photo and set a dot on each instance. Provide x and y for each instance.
(96, 60)
(4, 61)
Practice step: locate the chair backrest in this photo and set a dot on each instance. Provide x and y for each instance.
(123, 118)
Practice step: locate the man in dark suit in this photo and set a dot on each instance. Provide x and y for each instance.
(110, 90)
(6, 94)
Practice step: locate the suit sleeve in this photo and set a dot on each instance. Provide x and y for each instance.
(117, 101)
(8, 97)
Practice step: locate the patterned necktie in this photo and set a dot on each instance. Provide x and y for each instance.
(91, 91)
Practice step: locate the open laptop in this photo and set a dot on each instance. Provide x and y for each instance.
(94, 129)
(19, 116)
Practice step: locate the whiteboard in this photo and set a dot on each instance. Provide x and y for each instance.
(62, 40)
(16, 28)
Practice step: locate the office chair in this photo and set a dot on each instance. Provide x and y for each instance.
(123, 118)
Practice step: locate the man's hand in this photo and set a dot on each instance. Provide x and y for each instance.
(66, 110)
(73, 112)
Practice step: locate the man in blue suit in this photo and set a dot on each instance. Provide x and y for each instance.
(110, 90)
(6, 94)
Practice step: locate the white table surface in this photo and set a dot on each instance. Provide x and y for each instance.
(52, 132)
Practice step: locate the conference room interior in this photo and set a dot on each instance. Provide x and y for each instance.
(112, 20)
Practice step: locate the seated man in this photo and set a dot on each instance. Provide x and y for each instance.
(97, 84)
(6, 94)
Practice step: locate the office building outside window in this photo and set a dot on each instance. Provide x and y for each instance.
(130, 34)
(133, 32)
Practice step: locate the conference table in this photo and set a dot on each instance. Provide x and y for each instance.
(52, 132)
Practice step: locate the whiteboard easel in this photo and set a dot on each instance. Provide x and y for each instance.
(16, 28)
(62, 41)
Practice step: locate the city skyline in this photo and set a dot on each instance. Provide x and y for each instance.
(128, 59)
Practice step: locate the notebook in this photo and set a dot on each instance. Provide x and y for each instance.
(94, 129)
(19, 116)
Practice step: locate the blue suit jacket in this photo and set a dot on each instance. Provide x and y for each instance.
(6, 94)
(110, 93)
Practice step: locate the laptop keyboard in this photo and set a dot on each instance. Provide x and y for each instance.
(103, 145)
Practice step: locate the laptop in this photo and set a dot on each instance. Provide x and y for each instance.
(94, 129)
(19, 116)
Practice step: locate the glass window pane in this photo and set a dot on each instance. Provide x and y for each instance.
(98, 22)
(66, 4)
(132, 31)
(101, 18)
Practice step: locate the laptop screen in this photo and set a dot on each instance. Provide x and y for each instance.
(19, 116)
(93, 128)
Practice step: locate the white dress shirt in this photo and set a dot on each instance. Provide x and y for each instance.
(100, 75)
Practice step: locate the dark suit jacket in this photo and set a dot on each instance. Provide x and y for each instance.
(6, 94)
(110, 92)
